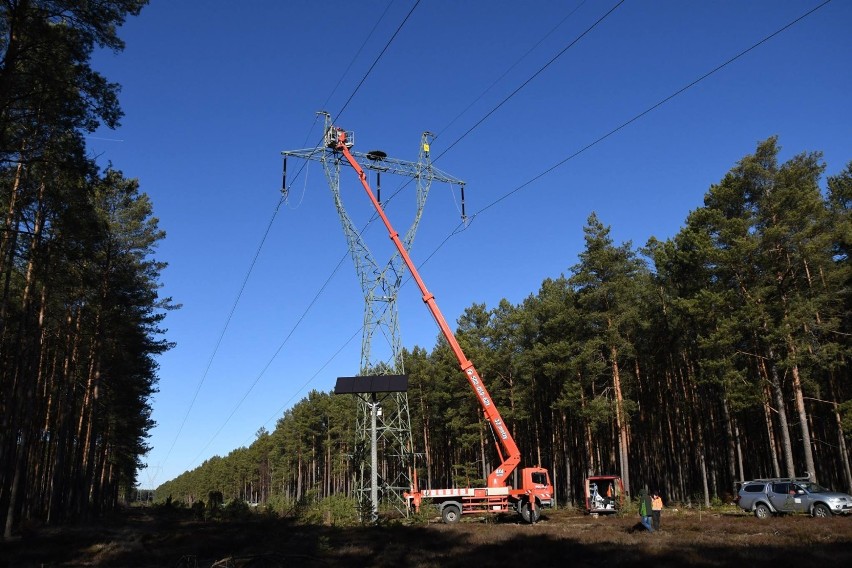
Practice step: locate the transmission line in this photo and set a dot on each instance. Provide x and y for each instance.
(651, 108)
(462, 226)
(378, 57)
(533, 76)
(518, 89)
(260, 246)
(224, 328)
(374, 216)
(512, 66)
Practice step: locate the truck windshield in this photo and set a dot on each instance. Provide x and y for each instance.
(539, 478)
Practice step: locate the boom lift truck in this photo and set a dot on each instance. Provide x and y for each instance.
(536, 490)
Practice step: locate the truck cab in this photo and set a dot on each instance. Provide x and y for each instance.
(535, 493)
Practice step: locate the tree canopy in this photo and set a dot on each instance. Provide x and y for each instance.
(80, 312)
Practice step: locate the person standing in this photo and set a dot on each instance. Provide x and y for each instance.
(656, 510)
(645, 509)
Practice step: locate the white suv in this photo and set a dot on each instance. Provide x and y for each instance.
(766, 497)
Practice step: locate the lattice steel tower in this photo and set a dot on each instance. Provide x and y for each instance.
(380, 284)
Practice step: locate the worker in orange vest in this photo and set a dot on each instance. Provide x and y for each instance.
(656, 510)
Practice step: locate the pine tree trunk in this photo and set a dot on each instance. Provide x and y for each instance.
(427, 453)
(328, 472)
(778, 395)
(844, 453)
(569, 493)
(8, 242)
(620, 422)
(770, 431)
(802, 412)
(702, 462)
(741, 475)
(731, 441)
(299, 477)
(15, 488)
(695, 400)
(593, 463)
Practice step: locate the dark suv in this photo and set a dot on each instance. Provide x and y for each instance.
(767, 497)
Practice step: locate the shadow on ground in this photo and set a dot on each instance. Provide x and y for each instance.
(150, 539)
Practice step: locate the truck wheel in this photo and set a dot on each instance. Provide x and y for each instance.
(451, 514)
(528, 515)
(821, 511)
(761, 511)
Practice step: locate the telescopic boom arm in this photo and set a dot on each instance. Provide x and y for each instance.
(510, 454)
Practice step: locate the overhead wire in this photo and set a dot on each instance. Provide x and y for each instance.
(540, 70)
(331, 94)
(509, 69)
(374, 217)
(263, 240)
(464, 226)
(366, 74)
(358, 53)
(533, 76)
(224, 329)
(376, 61)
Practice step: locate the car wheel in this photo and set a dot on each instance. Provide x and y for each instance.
(821, 511)
(761, 511)
(451, 514)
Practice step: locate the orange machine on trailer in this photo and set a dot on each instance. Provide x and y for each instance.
(536, 490)
(604, 494)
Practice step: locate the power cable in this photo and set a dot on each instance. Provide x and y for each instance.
(378, 57)
(363, 79)
(463, 226)
(346, 71)
(533, 76)
(509, 69)
(274, 355)
(360, 49)
(651, 108)
(224, 328)
(283, 198)
(523, 185)
(518, 89)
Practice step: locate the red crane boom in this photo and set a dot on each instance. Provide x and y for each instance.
(536, 481)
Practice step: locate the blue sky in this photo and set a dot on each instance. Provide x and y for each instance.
(212, 93)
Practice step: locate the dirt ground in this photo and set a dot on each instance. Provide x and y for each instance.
(148, 538)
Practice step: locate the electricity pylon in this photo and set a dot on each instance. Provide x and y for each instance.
(380, 285)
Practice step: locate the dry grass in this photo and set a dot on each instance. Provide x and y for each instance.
(562, 538)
